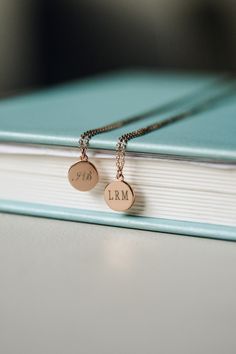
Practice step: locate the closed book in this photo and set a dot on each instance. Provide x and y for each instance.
(183, 174)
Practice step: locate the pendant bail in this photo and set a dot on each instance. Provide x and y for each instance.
(119, 175)
(83, 156)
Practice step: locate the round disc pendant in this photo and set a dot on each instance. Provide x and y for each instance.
(83, 176)
(119, 196)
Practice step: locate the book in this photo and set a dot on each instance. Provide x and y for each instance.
(183, 175)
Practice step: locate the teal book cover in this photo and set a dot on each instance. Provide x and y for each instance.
(55, 118)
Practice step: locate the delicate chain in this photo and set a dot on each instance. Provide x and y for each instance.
(86, 136)
(120, 158)
(123, 140)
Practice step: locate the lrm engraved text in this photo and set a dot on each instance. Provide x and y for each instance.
(118, 195)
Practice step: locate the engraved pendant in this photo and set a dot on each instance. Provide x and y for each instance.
(83, 176)
(119, 195)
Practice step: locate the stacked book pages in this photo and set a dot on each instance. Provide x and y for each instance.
(183, 175)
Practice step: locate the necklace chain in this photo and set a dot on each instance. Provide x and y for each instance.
(123, 139)
(87, 135)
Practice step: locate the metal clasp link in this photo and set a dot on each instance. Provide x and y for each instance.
(83, 156)
(119, 175)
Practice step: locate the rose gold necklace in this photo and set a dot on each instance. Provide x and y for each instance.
(119, 195)
(83, 175)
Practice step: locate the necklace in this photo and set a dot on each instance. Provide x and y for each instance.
(119, 195)
(83, 175)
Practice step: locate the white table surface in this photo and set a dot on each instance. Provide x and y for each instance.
(69, 288)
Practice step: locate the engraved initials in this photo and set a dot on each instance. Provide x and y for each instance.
(85, 176)
(118, 195)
